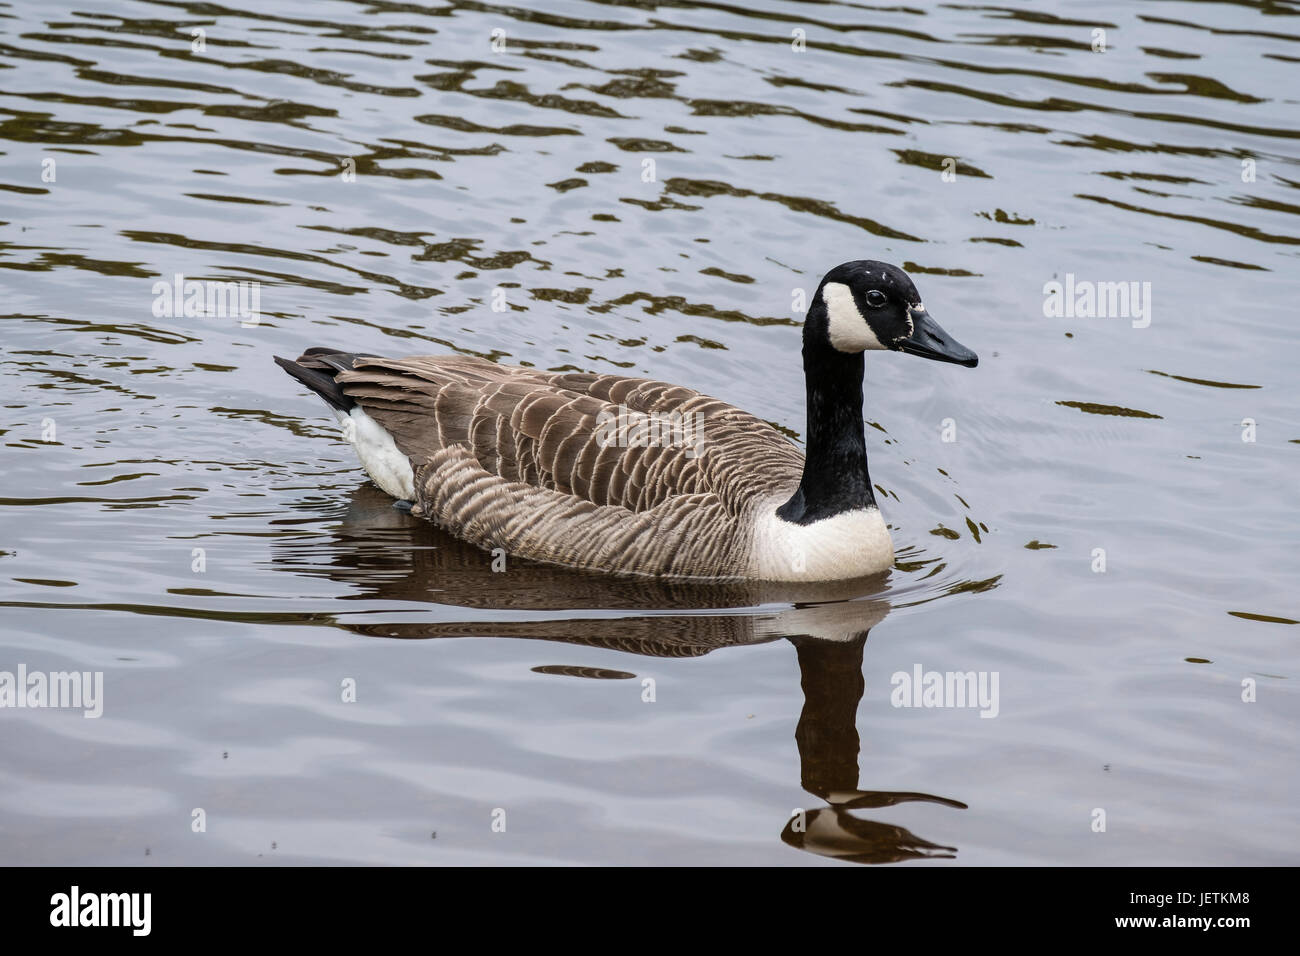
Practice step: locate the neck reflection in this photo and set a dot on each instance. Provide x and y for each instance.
(829, 748)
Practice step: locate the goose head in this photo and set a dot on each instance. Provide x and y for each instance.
(868, 305)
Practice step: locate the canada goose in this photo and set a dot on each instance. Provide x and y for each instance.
(631, 475)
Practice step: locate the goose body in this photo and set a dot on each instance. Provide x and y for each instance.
(630, 475)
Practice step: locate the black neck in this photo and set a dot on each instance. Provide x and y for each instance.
(835, 475)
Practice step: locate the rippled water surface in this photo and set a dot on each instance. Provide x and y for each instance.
(642, 188)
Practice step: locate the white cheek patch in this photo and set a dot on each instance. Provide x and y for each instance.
(848, 331)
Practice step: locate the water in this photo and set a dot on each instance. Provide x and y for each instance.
(649, 185)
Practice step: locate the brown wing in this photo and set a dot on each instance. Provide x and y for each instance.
(563, 431)
(591, 470)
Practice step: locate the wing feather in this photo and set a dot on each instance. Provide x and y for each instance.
(521, 458)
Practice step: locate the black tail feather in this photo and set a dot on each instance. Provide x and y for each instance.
(316, 369)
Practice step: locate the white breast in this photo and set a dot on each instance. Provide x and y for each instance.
(380, 457)
(849, 545)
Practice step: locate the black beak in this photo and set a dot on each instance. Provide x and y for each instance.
(929, 340)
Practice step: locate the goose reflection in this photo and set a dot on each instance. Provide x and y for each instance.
(827, 737)
(384, 554)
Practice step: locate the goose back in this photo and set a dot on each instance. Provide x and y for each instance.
(549, 466)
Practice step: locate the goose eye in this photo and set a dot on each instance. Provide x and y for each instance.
(875, 298)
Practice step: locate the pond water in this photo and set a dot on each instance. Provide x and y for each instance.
(1099, 522)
